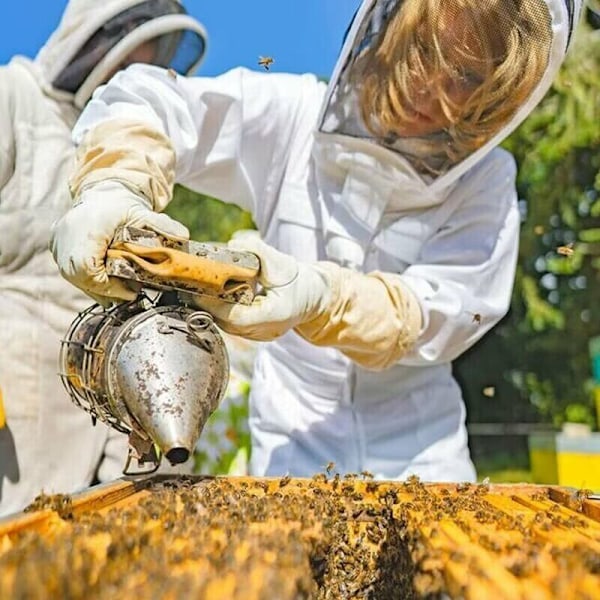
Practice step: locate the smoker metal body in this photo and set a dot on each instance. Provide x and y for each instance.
(156, 368)
(155, 372)
(144, 259)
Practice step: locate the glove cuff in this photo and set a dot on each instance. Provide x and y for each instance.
(128, 152)
(111, 189)
(374, 319)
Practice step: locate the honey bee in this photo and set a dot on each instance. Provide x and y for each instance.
(489, 391)
(172, 73)
(578, 496)
(265, 61)
(566, 250)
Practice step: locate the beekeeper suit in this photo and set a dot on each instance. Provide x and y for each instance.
(388, 216)
(47, 443)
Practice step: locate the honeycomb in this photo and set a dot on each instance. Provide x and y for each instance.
(327, 537)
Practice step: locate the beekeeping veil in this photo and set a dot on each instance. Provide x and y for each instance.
(95, 38)
(441, 82)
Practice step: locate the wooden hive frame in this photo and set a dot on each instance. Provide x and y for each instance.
(325, 537)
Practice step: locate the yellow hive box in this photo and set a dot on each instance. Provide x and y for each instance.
(558, 458)
(2, 412)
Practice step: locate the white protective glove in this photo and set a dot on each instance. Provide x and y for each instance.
(372, 318)
(81, 237)
(292, 293)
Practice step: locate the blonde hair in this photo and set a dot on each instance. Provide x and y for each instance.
(512, 42)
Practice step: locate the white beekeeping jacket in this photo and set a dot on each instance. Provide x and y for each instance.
(48, 444)
(321, 186)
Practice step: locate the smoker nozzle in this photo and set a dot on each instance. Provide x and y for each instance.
(178, 455)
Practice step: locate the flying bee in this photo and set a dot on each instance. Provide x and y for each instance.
(538, 230)
(476, 318)
(266, 62)
(489, 391)
(566, 250)
(329, 467)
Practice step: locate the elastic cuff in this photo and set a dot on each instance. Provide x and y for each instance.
(130, 152)
(374, 319)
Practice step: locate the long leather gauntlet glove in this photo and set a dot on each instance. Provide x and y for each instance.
(374, 319)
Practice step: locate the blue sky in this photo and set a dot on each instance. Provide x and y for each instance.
(301, 35)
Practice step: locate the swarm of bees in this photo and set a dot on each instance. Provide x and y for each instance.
(266, 62)
(278, 538)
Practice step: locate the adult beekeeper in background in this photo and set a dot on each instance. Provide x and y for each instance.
(47, 444)
(388, 216)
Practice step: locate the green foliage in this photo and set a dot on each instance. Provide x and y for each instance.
(540, 313)
(579, 413)
(208, 219)
(542, 395)
(504, 467)
(555, 308)
(226, 436)
(505, 476)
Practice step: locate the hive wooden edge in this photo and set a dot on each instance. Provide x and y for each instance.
(105, 494)
(92, 498)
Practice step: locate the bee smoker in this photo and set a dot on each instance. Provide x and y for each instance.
(156, 368)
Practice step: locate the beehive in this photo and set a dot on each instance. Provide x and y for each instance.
(325, 537)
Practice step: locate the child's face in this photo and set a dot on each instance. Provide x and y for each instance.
(465, 71)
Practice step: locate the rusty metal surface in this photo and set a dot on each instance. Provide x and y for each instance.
(325, 537)
(169, 366)
(241, 268)
(155, 372)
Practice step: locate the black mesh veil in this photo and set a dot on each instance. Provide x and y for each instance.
(481, 67)
(179, 49)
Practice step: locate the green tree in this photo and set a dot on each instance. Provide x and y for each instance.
(208, 219)
(538, 356)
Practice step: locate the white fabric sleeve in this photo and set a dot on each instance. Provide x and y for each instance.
(232, 134)
(465, 274)
(7, 139)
